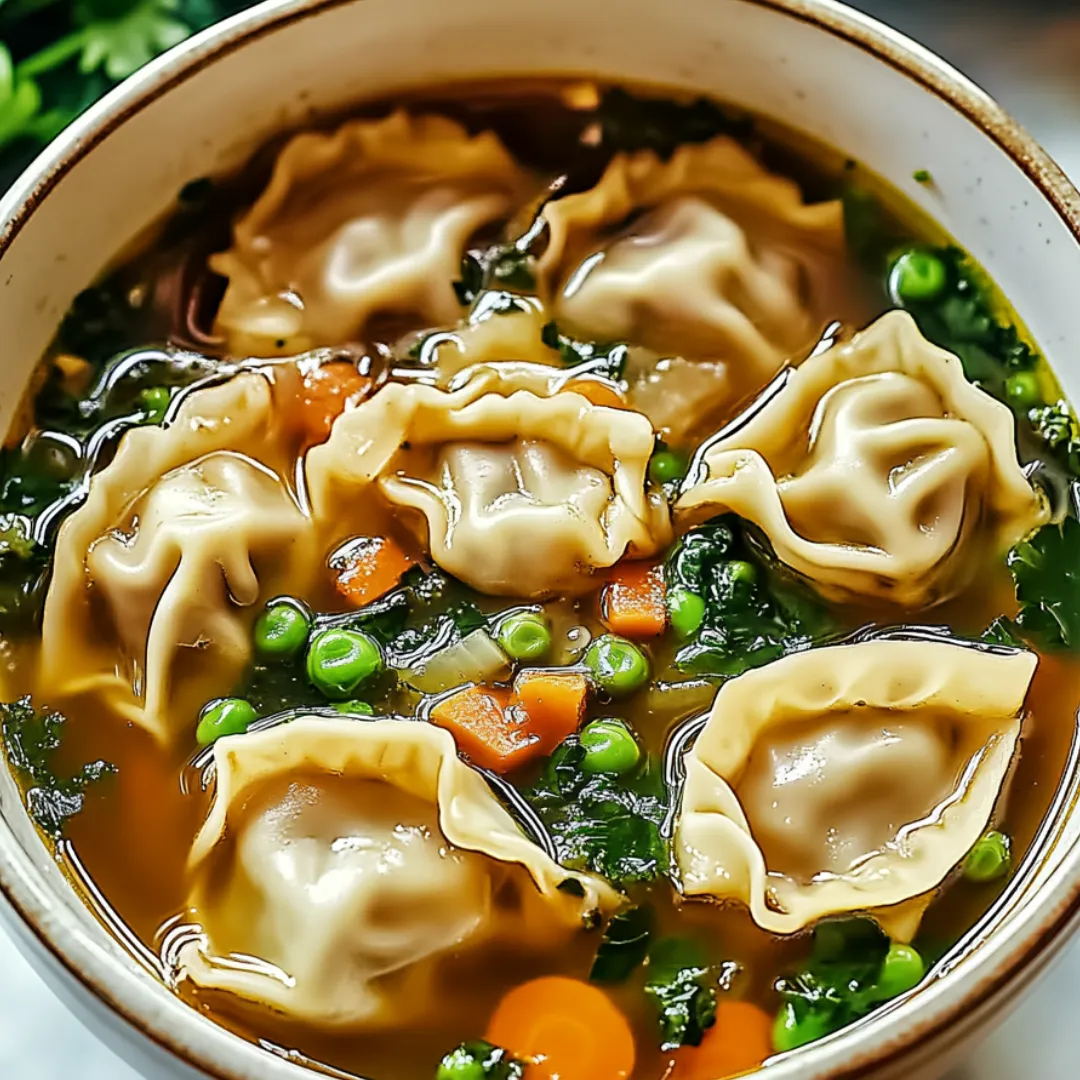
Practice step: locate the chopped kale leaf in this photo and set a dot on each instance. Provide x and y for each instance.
(629, 123)
(624, 945)
(603, 823)
(681, 987)
(1046, 569)
(838, 985)
(32, 738)
(752, 616)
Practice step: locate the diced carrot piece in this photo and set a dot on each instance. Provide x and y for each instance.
(553, 703)
(597, 391)
(570, 1029)
(634, 603)
(739, 1041)
(368, 567)
(327, 392)
(485, 729)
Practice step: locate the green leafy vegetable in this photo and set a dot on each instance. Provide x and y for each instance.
(605, 359)
(853, 968)
(630, 123)
(751, 615)
(606, 823)
(500, 267)
(623, 946)
(922, 176)
(1046, 569)
(479, 1060)
(32, 737)
(681, 990)
(1056, 428)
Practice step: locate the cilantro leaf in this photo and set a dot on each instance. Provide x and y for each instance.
(31, 738)
(122, 45)
(681, 991)
(607, 824)
(623, 946)
(1046, 569)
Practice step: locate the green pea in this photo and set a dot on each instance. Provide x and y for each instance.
(354, 708)
(227, 716)
(901, 969)
(917, 275)
(525, 636)
(609, 746)
(790, 1031)
(1022, 390)
(668, 466)
(154, 401)
(338, 661)
(281, 631)
(461, 1064)
(989, 859)
(741, 573)
(686, 610)
(616, 665)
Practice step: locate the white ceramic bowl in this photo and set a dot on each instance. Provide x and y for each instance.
(815, 65)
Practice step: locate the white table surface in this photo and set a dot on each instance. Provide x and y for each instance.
(1030, 58)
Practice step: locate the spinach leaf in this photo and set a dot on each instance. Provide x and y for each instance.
(479, 1060)
(1055, 427)
(606, 359)
(623, 946)
(32, 737)
(752, 615)
(497, 268)
(682, 992)
(629, 123)
(837, 986)
(1046, 569)
(607, 824)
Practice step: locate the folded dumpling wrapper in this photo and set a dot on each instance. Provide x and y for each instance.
(877, 471)
(707, 255)
(182, 536)
(370, 219)
(516, 492)
(343, 861)
(852, 778)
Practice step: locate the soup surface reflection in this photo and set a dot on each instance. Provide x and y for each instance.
(541, 578)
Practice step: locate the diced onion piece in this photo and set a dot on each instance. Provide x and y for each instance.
(475, 658)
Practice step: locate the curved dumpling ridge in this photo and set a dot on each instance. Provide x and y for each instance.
(873, 470)
(834, 724)
(342, 860)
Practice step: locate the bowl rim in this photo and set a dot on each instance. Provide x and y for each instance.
(198, 1042)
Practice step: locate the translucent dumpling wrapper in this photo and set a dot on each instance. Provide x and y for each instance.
(876, 470)
(513, 492)
(706, 256)
(849, 778)
(181, 538)
(370, 219)
(342, 862)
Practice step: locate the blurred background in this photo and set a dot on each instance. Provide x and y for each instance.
(58, 56)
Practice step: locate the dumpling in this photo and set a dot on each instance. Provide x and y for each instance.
(343, 863)
(515, 493)
(877, 470)
(849, 778)
(373, 218)
(187, 529)
(706, 256)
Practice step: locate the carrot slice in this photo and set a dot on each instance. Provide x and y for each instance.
(634, 603)
(570, 1029)
(368, 567)
(553, 703)
(739, 1041)
(482, 727)
(327, 392)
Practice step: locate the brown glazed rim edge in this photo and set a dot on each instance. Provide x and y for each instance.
(29, 890)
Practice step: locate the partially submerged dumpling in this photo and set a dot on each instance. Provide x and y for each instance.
(187, 530)
(877, 470)
(370, 219)
(343, 863)
(514, 492)
(707, 255)
(849, 778)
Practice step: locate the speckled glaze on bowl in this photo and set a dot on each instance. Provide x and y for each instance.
(816, 65)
